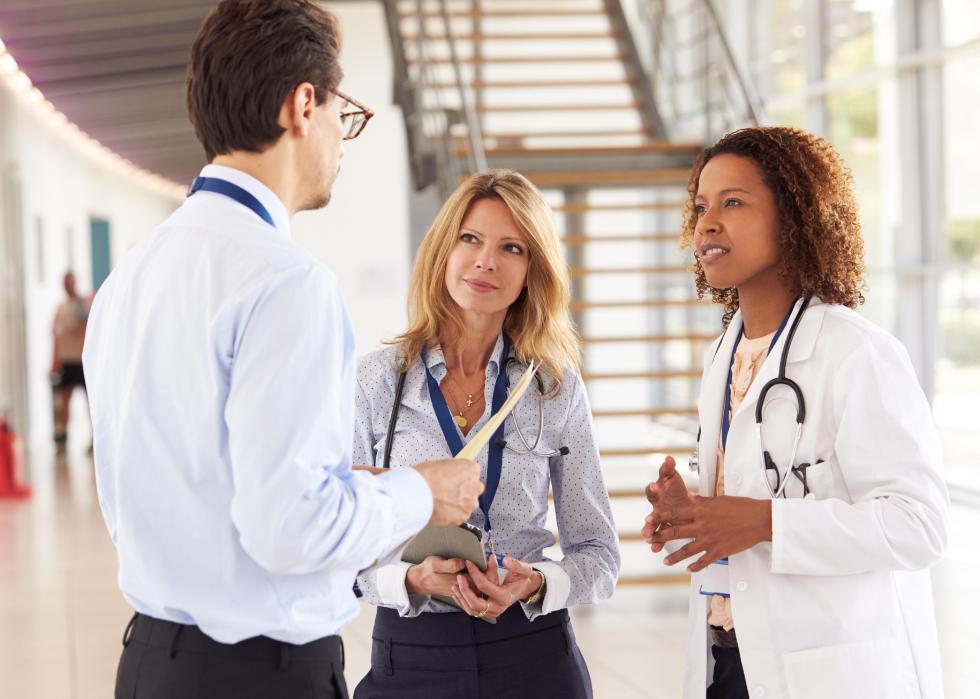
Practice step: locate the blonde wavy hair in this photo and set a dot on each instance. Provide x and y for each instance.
(538, 322)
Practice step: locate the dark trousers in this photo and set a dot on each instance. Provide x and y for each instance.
(728, 680)
(454, 656)
(164, 660)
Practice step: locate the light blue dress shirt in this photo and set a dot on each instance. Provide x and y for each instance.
(589, 567)
(220, 366)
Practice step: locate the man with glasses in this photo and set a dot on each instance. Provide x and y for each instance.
(220, 364)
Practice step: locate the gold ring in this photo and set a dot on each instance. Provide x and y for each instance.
(484, 612)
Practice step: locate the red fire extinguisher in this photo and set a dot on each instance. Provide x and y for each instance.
(8, 464)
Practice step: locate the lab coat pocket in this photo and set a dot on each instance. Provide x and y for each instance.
(880, 669)
(819, 481)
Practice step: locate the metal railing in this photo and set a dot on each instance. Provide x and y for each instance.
(429, 123)
(701, 90)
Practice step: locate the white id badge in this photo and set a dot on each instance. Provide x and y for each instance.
(714, 579)
(674, 545)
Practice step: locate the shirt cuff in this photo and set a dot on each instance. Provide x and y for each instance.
(557, 588)
(412, 506)
(392, 591)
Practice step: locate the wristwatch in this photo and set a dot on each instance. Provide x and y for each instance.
(539, 595)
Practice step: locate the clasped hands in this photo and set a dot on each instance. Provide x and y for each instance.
(717, 526)
(478, 593)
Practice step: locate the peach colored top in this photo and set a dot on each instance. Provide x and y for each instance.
(749, 357)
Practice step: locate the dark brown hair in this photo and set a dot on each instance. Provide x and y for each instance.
(821, 248)
(247, 57)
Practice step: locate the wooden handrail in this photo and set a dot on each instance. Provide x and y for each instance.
(586, 271)
(644, 412)
(641, 375)
(585, 208)
(649, 339)
(645, 303)
(578, 239)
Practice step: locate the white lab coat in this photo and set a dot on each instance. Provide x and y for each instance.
(840, 603)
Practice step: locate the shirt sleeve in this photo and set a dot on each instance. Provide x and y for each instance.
(297, 506)
(590, 567)
(888, 451)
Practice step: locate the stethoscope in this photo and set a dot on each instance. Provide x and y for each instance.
(528, 448)
(781, 379)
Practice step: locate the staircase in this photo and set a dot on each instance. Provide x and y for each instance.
(557, 91)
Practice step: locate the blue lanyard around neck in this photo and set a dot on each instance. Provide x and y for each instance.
(232, 191)
(451, 432)
(725, 420)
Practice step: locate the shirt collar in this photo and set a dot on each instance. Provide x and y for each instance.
(435, 360)
(266, 196)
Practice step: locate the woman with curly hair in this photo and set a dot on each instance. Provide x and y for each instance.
(819, 509)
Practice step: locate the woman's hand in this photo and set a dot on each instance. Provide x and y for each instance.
(668, 490)
(720, 526)
(433, 576)
(480, 593)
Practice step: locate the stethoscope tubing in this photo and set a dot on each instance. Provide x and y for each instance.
(780, 380)
(528, 449)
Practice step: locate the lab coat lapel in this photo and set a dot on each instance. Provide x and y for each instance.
(710, 405)
(799, 351)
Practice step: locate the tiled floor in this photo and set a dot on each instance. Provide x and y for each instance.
(61, 616)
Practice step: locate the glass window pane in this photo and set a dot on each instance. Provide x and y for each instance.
(777, 47)
(958, 367)
(961, 21)
(858, 35)
(852, 127)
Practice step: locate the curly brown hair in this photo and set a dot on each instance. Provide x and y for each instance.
(822, 251)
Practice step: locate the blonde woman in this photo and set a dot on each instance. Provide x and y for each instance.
(489, 293)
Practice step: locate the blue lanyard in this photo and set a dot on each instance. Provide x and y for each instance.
(233, 191)
(731, 362)
(495, 457)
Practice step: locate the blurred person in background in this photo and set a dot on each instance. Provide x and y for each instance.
(68, 332)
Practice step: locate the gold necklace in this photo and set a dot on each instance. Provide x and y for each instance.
(459, 418)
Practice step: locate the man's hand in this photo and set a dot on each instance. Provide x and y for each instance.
(434, 576)
(669, 490)
(374, 470)
(455, 486)
(719, 526)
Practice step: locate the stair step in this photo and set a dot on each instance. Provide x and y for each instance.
(608, 177)
(641, 375)
(519, 36)
(638, 238)
(506, 14)
(483, 60)
(587, 271)
(631, 493)
(589, 151)
(645, 412)
(519, 137)
(537, 84)
(666, 579)
(587, 207)
(648, 339)
(536, 108)
(644, 303)
(647, 451)
(627, 537)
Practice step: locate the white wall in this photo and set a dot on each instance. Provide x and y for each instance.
(61, 188)
(363, 235)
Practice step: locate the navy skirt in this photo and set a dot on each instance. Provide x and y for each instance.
(452, 656)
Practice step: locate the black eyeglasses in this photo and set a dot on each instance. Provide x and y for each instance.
(353, 120)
